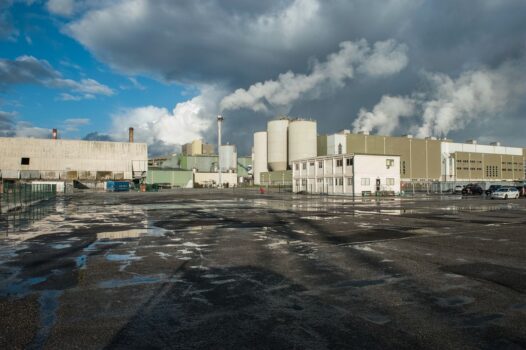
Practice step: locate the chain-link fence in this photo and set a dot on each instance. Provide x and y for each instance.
(19, 196)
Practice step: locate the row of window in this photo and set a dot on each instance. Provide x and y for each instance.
(339, 163)
(480, 162)
(365, 181)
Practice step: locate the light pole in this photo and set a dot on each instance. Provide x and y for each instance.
(219, 124)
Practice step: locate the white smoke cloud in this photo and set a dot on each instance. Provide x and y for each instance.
(385, 115)
(450, 104)
(383, 58)
(476, 94)
(164, 129)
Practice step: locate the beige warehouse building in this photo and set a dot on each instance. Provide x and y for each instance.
(70, 160)
(435, 160)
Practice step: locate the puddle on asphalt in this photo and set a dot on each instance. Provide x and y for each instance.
(454, 301)
(49, 304)
(134, 233)
(136, 280)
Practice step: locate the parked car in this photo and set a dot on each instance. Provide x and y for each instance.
(492, 189)
(472, 189)
(505, 193)
(458, 189)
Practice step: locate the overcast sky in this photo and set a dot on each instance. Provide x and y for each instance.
(431, 68)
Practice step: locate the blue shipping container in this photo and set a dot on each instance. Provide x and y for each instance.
(117, 186)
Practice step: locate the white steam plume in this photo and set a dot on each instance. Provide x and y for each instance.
(385, 115)
(449, 104)
(382, 59)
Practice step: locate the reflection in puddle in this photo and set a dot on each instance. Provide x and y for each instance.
(136, 280)
(133, 233)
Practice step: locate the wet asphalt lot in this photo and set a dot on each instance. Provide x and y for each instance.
(242, 270)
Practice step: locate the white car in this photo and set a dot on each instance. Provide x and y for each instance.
(505, 193)
(458, 189)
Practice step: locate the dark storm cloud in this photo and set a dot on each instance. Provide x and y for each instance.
(30, 70)
(95, 136)
(235, 44)
(25, 69)
(7, 124)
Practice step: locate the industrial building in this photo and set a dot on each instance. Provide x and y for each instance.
(196, 148)
(86, 162)
(352, 174)
(429, 163)
(433, 160)
(179, 170)
(285, 141)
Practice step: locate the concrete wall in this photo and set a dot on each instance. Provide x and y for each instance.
(72, 159)
(209, 178)
(275, 178)
(200, 163)
(419, 158)
(334, 142)
(375, 169)
(174, 178)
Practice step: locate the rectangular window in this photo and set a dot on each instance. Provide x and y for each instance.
(349, 181)
(403, 167)
(320, 164)
(349, 161)
(304, 166)
(311, 164)
(24, 161)
(390, 181)
(389, 163)
(339, 163)
(366, 181)
(297, 166)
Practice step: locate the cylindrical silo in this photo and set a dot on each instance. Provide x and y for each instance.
(277, 144)
(260, 156)
(302, 139)
(228, 158)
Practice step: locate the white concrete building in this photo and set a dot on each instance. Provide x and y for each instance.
(351, 174)
(69, 160)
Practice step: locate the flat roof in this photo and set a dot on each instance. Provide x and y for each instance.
(347, 155)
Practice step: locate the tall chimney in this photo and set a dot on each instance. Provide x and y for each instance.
(130, 135)
(54, 134)
(219, 124)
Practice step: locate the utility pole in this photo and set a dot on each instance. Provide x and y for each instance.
(219, 124)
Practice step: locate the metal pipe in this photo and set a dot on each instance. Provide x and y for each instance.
(130, 135)
(219, 124)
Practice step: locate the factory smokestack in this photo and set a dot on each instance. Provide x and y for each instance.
(130, 135)
(219, 124)
(54, 134)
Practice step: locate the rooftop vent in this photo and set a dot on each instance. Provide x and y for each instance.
(472, 142)
(496, 143)
(363, 132)
(54, 134)
(409, 136)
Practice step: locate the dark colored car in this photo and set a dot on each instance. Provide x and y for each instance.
(472, 189)
(492, 189)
